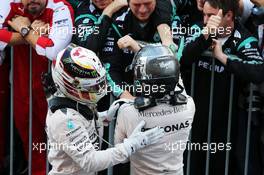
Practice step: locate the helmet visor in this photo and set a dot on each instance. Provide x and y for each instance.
(95, 88)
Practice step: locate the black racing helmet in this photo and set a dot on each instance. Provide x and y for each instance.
(156, 71)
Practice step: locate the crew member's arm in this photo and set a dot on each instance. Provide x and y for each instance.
(58, 38)
(162, 20)
(7, 37)
(166, 37)
(254, 72)
(37, 28)
(201, 41)
(15, 38)
(192, 47)
(60, 33)
(127, 42)
(19, 22)
(114, 7)
(97, 33)
(247, 64)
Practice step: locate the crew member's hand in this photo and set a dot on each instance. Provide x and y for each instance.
(40, 27)
(129, 43)
(18, 22)
(139, 139)
(114, 7)
(213, 24)
(218, 52)
(120, 3)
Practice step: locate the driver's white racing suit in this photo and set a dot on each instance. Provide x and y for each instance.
(165, 156)
(74, 144)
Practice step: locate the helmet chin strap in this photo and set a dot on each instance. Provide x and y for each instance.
(177, 97)
(93, 107)
(179, 91)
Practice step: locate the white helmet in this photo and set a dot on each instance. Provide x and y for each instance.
(79, 75)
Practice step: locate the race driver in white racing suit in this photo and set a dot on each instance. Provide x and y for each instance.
(72, 125)
(159, 103)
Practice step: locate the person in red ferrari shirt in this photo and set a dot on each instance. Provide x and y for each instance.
(21, 22)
